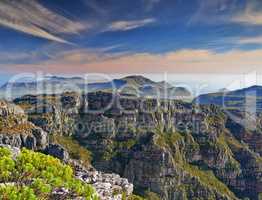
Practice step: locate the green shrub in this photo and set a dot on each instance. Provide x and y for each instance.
(10, 192)
(34, 176)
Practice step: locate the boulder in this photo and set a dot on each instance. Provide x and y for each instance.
(57, 151)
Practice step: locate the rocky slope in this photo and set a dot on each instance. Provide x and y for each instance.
(17, 132)
(174, 149)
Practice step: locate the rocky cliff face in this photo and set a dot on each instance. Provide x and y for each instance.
(177, 150)
(17, 132)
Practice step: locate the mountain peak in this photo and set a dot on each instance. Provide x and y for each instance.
(138, 80)
(61, 78)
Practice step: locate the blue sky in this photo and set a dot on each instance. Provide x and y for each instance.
(138, 36)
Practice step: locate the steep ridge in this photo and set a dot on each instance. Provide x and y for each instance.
(177, 150)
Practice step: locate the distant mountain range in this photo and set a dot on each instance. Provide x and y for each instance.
(243, 99)
(135, 85)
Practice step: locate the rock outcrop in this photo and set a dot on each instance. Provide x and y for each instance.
(108, 186)
(17, 131)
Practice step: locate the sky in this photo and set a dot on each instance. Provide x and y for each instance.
(201, 39)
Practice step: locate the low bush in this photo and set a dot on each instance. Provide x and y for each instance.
(33, 176)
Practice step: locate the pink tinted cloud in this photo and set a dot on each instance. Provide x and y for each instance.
(185, 61)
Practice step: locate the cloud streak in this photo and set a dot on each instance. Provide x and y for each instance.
(129, 25)
(250, 40)
(213, 12)
(250, 16)
(183, 61)
(31, 17)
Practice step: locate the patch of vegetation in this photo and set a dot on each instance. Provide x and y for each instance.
(237, 147)
(25, 105)
(108, 155)
(234, 143)
(170, 140)
(128, 144)
(208, 179)
(24, 128)
(132, 197)
(115, 148)
(232, 164)
(191, 146)
(15, 124)
(33, 176)
(151, 196)
(75, 150)
(214, 120)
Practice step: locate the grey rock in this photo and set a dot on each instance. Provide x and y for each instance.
(41, 138)
(108, 186)
(57, 151)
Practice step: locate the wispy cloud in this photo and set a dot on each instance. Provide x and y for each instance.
(250, 40)
(250, 16)
(30, 17)
(213, 12)
(150, 4)
(60, 53)
(129, 25)
(183, 61)
(8, 57)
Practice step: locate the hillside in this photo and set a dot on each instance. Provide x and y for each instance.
(249, 99)
(174, 149)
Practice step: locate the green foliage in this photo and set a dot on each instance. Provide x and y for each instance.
(208, 179)
(128, 144)
(135, 197)
(7, 166)
(115, 148)
(4, 152)
(75, 150)
(260, 196)
(170, 140)
(11, 192)
(132, 197)
(151, 196)
(35, 175)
